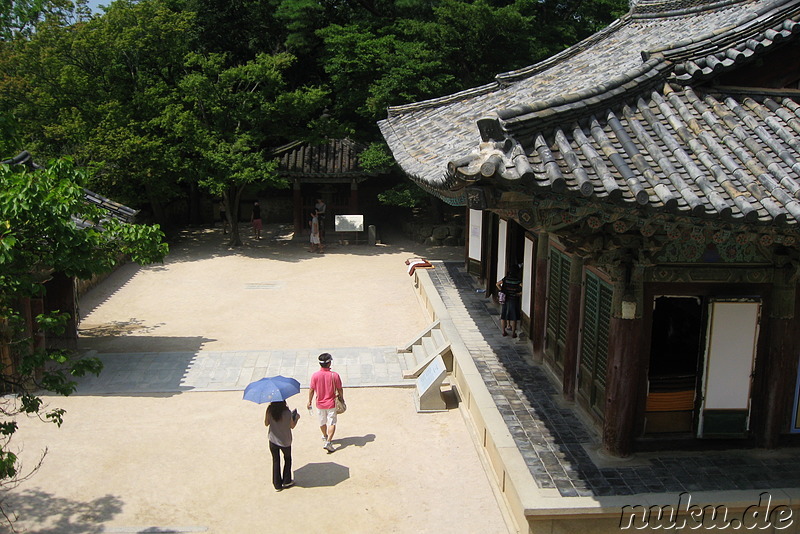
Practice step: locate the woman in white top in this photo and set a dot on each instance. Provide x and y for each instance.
(280, 421)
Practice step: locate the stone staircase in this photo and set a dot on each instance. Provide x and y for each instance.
(428, 344)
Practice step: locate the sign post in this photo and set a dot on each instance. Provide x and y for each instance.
(429, 387)
(349, 223)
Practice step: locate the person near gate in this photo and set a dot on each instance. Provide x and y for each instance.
(321, 209)
(326, 385)
(255, 220)
(314, 238)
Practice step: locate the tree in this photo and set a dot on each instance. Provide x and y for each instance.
(230, 117)
(46, 227)
(95, 91)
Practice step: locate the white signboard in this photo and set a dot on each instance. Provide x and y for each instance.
(349, 223)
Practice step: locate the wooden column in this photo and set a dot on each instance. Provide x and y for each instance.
(780, 370)
(354, 197)
(573, 328)
(624, 364)
(38, 338)
(297, 208)
(61, 295)
(539, 325)
(8, 368)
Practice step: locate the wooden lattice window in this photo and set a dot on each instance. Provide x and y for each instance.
(557, 303)
(594, 341)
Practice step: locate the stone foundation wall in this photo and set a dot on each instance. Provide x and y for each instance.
(435, 234)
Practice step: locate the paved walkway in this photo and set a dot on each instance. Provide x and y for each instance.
(559, 449)
(171, 372)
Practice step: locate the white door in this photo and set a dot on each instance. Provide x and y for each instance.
(729, 363)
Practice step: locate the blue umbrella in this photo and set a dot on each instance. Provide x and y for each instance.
(271, 388)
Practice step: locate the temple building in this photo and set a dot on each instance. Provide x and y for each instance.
(647, 181)
(329, 171)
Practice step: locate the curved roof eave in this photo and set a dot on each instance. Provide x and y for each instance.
(425, 136)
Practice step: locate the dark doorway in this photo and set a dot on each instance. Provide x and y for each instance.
(515, 253)
(675, 349)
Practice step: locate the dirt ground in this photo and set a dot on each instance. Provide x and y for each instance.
(198, 462)
(270, 293)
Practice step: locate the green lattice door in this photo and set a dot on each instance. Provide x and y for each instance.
(594, 343)
(557, 305)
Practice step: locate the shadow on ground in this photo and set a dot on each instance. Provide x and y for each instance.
(354, 441)
(57, 515)
(321, 474)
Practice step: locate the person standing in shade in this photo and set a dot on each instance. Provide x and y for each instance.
(316, 242)
(281, 420)
(511, 286)
(321, 208)
(223, 216)
(255, 220)
(326, 385)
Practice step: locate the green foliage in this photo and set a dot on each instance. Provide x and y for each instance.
(404, 195)
(20, 18)
(228, 118)
(156, 94)
(376, 158)
(46, 226)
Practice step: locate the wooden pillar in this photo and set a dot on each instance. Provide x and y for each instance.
(539, 325)
(573, 328)
(780, 370)
(467, 236)
(61, 295)
(354, 197)
(38, 336)
(624, 365)
(8, 368)
(297, 208)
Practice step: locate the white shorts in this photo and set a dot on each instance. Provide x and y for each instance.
(326, 417)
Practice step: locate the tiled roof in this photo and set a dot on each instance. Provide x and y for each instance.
(600, 119)
(704, 153)
(115, 209)
(334, 158)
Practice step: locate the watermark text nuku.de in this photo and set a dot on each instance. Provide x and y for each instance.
(685, 515)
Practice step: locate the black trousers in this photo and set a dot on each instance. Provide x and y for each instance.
(280, 478)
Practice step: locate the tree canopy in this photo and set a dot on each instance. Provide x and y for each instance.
(158, 98)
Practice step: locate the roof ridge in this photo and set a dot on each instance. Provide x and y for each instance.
(509, 77)
(658, 64)
(504, 79)
(527, 117)
(748, 29)
(394, 111)
(650, 10)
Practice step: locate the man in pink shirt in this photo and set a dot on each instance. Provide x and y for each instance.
(327, 385)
